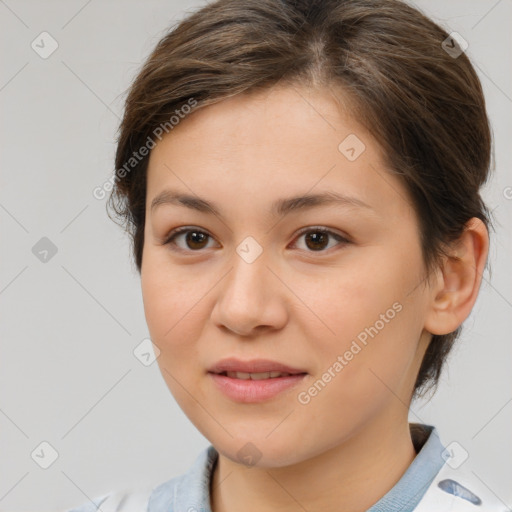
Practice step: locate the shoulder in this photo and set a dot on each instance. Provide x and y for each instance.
(459, 490)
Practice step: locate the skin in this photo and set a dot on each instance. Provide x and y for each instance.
(351, 443)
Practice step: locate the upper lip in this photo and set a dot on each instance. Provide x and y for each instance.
(252, 366)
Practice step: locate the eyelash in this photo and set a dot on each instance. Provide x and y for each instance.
(178, 231)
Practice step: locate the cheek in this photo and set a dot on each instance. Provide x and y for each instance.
(368, 317)
(171, 300)
(344, 302)
(170, 316)
(357, 381)
(172, 307)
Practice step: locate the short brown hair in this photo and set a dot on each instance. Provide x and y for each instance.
(423, 104)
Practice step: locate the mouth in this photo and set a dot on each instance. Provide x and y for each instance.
(254, 369)
(254, 381)
(257, 375)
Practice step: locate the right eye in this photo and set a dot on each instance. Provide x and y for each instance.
(194, 239)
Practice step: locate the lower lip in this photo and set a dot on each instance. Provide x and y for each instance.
(250, 391)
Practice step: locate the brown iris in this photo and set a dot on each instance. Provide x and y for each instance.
(196, 237)
(318, 239)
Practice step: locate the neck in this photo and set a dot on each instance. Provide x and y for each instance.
(352, 476)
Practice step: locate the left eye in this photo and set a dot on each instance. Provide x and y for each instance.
(316, 239)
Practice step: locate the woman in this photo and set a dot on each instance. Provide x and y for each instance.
(301, 184)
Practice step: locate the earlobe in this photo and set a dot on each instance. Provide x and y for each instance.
(459, 280)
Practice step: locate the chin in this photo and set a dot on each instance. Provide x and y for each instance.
(256, 451)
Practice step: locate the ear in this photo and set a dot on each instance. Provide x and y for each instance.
(456, 288)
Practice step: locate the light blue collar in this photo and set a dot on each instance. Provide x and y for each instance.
(408, 491)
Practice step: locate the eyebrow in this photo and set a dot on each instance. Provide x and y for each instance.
(279, 207)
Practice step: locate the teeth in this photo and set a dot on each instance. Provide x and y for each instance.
(256, 376)
(239, 375)
(260, 376)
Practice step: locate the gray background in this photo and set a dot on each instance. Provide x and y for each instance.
(70, 325)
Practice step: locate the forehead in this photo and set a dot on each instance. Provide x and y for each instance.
(281, 115)
(274, 143)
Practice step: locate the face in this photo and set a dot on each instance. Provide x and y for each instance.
(333, 289)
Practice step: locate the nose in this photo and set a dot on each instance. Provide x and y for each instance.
(251, 298)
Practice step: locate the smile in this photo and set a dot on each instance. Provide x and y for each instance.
(254, 387)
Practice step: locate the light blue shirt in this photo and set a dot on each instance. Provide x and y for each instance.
(428, 485)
